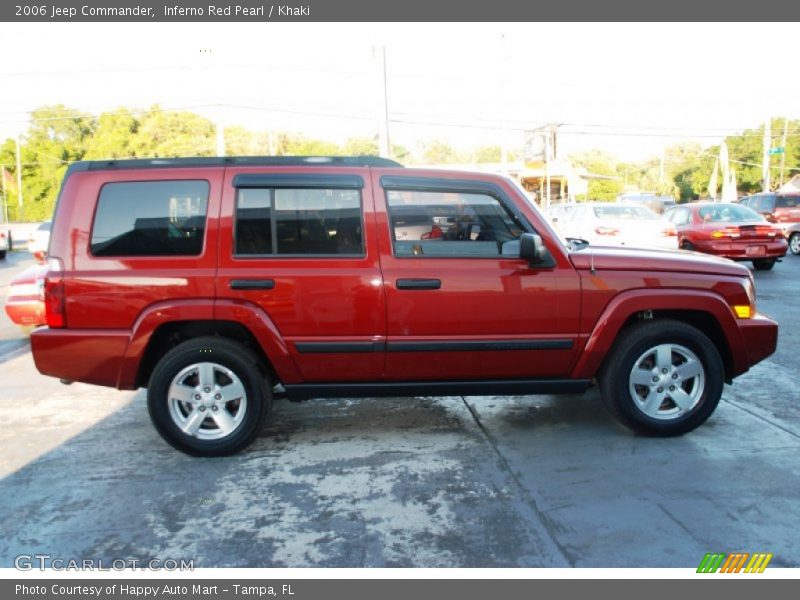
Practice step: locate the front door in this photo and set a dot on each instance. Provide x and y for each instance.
(461, 303)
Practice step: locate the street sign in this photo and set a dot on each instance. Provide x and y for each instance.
(776, 150)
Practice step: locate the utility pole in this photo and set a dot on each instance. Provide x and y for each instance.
(5, 194)
(220, 132)
(384, 148)
(783, 145)
(766, 160)
(20, 210)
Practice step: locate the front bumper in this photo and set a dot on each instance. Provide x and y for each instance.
(760, 335)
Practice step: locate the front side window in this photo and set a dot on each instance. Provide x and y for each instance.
(272, 221)
(150, 218)
(450, 224)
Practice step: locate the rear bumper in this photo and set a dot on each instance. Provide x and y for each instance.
(738, 250)
(760, 338)
(90, 356)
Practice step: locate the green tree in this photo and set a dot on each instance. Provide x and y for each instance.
(169, 134)
(599, 162)
(361, 147)
(113, 136)
(57, 137)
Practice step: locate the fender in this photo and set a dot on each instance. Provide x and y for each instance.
(622, 306)
(249, 315)
(266, 333)
(148, 321)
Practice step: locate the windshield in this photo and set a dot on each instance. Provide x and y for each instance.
(728, 213)
(636, 213)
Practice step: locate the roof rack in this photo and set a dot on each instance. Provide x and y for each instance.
(216, 161)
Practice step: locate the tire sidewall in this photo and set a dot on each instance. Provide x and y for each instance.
(229, 355)
(649, 337)
(794, 237)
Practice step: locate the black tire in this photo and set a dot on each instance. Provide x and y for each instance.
(763, 264)
(687, 245)
(2, 254)
(232, 368)
(666, 417)
(794, 243)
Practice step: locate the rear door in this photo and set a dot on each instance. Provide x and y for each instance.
(461, 303)
(299, 243)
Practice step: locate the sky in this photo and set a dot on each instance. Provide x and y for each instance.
(629, 89)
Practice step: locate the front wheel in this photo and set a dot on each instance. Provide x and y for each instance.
(663, 378)
(209, 397)
(794, 243)
(763, 264)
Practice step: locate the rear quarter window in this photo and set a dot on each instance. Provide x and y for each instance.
(150, 218)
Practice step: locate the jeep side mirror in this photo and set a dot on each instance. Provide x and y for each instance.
(532, 249)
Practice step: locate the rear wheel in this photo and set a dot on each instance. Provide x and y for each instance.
(662, 378)
(794, 243)
(763, 264)
(209, 397)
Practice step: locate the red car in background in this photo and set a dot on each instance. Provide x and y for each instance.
(730, 230)
(24, 302)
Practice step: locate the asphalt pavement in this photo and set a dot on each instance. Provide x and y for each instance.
(539, 481)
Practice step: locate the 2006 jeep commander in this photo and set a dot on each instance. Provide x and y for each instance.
(215, 282)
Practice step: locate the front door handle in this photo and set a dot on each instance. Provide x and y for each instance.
(419, 284)
(252, 284)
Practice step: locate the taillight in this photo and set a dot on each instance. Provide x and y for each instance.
(54, 296)
(606, 230)
(730, 232)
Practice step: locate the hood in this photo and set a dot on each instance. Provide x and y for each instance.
(636, 259)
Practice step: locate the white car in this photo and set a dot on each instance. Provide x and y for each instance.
(5, 241)
(39, 240)
(607, 224)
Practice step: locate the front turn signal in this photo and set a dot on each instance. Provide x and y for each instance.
(743, 311)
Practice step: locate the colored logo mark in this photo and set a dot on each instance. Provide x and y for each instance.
(735, 563)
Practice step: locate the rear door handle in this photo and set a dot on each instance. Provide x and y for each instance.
(419, 284)
(252, 284)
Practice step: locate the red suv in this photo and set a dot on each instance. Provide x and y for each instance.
(219, 283)
(776, 208)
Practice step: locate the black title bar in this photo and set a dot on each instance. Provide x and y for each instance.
(398, 11)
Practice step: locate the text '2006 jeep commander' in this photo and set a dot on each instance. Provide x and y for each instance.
(216, 282)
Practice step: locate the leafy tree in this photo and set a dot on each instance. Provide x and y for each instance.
(361, 147)
(599, 162)
(168, 134)
(439, 152)
(113, 136)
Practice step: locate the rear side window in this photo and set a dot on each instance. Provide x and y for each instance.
(150, 218)
(787, 202)
(292, 222)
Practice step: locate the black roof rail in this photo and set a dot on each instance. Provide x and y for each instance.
(216, 161)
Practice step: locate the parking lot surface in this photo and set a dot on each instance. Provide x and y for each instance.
(535, 481)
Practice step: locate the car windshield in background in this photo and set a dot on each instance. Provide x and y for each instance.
(44, 226)
(633, 213)
(728, 213)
